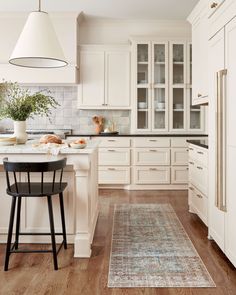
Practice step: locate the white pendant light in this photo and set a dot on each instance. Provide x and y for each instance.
(38, 46)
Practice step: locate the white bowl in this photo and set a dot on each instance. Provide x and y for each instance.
(160, 105)
(142, 105)
(77, 145)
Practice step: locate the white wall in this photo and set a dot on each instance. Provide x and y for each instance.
(108, 31)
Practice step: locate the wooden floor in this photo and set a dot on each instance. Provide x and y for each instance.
(33, 273)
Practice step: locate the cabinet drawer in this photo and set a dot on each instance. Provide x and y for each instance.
(114, 142)
(198, 203)
(151, 142)
(179, 175)
(198, 154)
(179, 156)
(152, 175)
(153, 156)
(114, 175)
(114, 156)
(198, 176)
(179, 142)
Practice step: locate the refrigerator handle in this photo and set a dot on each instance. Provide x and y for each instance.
(221, 141)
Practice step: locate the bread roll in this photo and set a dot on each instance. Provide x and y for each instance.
(50, 138)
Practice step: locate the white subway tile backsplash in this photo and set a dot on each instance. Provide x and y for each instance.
(67, 116)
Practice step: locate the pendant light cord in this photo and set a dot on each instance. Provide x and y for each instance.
(39, 5)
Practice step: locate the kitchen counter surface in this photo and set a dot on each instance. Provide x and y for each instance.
(136, 135)
(202, 142)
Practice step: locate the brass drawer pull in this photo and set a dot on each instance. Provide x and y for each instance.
(214, 5)
(111, 169)
(199, 196)
(191, 163)
(191, 149)
(111, 150)
(111, 140)
(191, 188)
(187, 168)
(153, 169)
(200, 153)
(200, 168)
(199, 95)
(153, 140)
(152, 150)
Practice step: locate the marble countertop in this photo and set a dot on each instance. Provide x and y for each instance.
(32, 147)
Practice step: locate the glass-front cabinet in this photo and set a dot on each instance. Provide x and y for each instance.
(177, 86)
(163, 88)
(152, 86)
(195, 114)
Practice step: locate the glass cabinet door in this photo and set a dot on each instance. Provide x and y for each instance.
(143, 86)
(160, 86)
(195, 113)
(177, 86)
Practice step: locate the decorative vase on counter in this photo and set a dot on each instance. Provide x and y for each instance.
(20, 131)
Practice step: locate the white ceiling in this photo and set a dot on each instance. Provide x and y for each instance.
(128, 9)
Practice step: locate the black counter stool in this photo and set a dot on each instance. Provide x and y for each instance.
(19, 189)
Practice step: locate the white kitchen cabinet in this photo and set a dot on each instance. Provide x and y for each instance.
(198, 203)
(151, 142)
(152, 175)
(117, 79)
(150, 80)
(114, 156)
(179, 175)
(118, 142)
(213, 6)
(66, 26)
(222, 156)
(200, 23)
(198, 181)
(104, 77)
(179, 156)
(152, 156)
(92, 74)
(114, 175)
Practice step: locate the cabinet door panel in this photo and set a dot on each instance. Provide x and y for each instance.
(160, 156)
(179, 175)
(216, 217)
(92, 78)
(151, 175)
(179, 156)
(118, 79)
(230, 37)
(114, 175)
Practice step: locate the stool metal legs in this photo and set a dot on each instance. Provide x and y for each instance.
(10, 229)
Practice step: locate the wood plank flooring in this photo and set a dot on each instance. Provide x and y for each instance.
(33, 273)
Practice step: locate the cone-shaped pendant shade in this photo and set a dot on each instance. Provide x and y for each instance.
(38, 46)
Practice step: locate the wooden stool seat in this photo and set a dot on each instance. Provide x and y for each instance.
(36, 189)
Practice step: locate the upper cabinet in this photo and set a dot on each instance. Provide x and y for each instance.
(213, 5)
(66, 26)
(104, 77)
(199, 21)
(162, 88)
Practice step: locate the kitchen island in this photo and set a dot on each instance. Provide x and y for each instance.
(80, 196)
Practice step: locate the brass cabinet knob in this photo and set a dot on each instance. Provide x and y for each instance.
(214, 5)
(199, 95)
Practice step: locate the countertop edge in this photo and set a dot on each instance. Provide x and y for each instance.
(203, 145)
(137, 135)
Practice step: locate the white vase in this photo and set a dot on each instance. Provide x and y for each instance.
(20, 131)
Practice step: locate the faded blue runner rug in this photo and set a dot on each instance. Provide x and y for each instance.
(150, 248)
